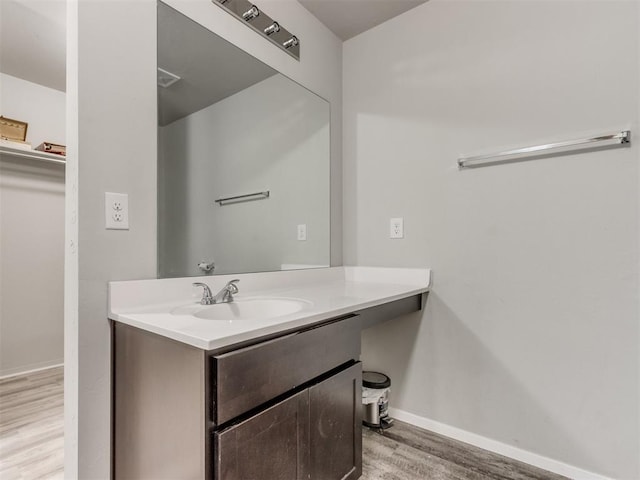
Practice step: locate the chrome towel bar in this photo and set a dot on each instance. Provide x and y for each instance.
(608, 140)
(243, 198)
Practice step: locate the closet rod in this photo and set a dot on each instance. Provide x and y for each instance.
(33, 155)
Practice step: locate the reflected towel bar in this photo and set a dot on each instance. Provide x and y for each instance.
(602, 141)
(243, 198)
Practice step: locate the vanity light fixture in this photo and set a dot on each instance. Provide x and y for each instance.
(249, 14)
(271, 29)
(252, 13)
(292, 42)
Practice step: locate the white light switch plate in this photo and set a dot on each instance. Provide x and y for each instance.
(396, 227)
(116, 211)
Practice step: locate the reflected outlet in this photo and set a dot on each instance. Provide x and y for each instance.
(302, 232)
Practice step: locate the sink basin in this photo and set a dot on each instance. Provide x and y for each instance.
(248, 309)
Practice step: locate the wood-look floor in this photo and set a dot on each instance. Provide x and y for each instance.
(31, 442)
(31, 426)
(405, 452)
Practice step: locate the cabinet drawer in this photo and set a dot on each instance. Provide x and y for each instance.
(248, 377)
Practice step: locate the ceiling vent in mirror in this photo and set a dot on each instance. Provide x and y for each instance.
(166, 79)
(258, 20)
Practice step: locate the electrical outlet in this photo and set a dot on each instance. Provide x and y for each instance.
(396, 227)
(302, 231)
(116, 211)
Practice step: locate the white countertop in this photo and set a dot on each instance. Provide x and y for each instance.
(328, 292)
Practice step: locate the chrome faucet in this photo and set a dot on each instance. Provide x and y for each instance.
(223, 296)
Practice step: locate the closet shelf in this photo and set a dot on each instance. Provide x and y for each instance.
(33, 154)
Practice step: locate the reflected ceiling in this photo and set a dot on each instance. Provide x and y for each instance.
(202, 83)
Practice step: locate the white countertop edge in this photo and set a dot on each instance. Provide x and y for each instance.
(145, 304)
(127, 295)
(282, 324)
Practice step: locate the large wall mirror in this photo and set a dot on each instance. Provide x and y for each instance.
(230, 126)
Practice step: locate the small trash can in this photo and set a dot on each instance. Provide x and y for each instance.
(375, 400)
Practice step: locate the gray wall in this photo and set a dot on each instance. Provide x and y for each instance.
(271, 136)
(111, 135)
(31, 234)
(111, 75)
(531, 333)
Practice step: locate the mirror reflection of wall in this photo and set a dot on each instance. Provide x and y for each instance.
(233, 126)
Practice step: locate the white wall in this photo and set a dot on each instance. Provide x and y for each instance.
(271, 136)
(41, 107)
(531, 335)
(111, 78)
(31, 234)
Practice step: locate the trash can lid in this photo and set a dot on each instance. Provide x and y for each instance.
(375, 380)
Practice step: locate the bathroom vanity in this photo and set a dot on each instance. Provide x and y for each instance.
(236, 395)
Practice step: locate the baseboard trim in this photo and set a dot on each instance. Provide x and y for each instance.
(14, 372)
(494, 446)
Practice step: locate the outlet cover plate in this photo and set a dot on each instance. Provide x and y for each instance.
(116, 211)
(396, 227)
(302, 232)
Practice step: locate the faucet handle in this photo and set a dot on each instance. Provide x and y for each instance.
(200, 284)
(232, 287)
(207, 297)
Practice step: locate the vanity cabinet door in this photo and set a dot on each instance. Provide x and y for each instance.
(335, 414)
(273, 444)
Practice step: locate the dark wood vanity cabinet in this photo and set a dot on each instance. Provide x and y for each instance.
(314, 434)
(281, 408)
